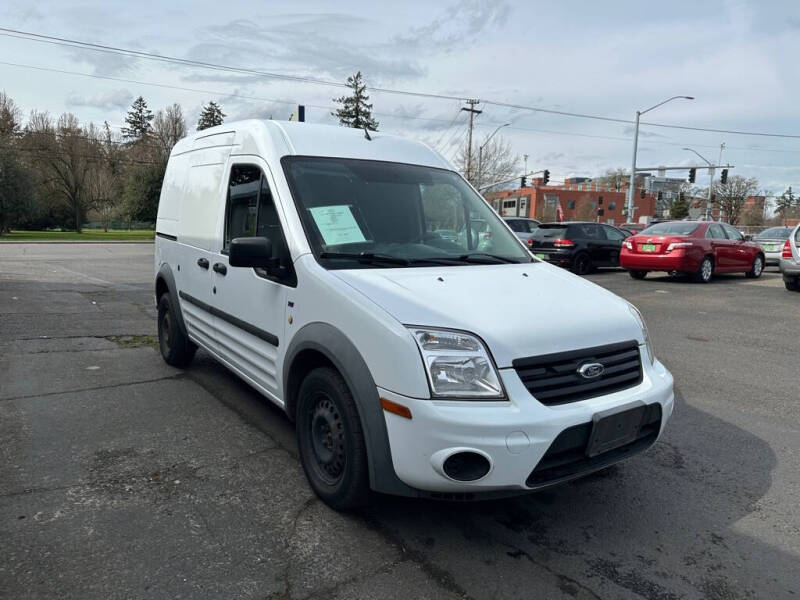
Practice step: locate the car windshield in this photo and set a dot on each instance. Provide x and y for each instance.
(775, 233)
(363, 213)
(670, 228)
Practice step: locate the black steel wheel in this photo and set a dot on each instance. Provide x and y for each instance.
(331, 441)
(176, 349)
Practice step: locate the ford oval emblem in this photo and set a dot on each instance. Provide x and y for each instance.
(591, 370)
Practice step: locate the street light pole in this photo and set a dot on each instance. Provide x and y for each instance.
(480, 153)
(710, 182)
(635, 148)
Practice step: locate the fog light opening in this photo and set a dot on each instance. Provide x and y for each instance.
(466, 466)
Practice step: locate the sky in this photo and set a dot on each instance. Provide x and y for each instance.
(739, 59)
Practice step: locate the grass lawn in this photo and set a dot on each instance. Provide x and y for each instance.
(88, 235)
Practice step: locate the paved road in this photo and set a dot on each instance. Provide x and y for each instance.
(121, 477)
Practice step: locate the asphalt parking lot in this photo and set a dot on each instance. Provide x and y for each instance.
(121, 477)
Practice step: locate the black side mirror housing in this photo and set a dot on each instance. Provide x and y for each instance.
(254, 252)
(748, 238)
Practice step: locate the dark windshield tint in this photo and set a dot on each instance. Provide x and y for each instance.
(390, 209)
(775, 233)
(670, 229)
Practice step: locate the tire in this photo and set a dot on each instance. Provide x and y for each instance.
(582, 264)
(330, 440)
(706, 270)
(638, 274)
(757, 268)
(176, 349)
(793, 285)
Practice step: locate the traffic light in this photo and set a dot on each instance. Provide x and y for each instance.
(600, 201)
(724, 177)
(642, 194)
(523, 182)
(692, 174)
(545, 177)
(660, 196)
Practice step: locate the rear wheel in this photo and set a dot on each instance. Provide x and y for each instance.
(330, 440)
(706, 270)
(793, 285)
(757, 268)
(176, 348)
(638, 274)
(581, 264)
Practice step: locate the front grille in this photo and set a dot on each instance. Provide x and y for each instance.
(566, 457)
(554, 379)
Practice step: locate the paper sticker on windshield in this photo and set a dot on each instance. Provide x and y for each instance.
(337, 225)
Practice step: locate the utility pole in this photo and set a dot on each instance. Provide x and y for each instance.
(711, 186)
(472, 112)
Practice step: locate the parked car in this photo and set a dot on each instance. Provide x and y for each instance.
(634, 228)
(578, 246)
(772, 241)
(303, 258)
(790, 260)
(697, 248)
(523, 227)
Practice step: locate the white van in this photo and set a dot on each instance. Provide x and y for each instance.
(362, 285)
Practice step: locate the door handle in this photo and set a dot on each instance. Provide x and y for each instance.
(202, 263)
(220, 268)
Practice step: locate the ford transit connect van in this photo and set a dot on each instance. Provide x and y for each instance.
(310, 260)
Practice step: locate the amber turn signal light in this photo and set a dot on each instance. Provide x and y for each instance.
(395, 408)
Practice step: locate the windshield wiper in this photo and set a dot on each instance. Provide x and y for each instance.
(472, 256)
(368, 257)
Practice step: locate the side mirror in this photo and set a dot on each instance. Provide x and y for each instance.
(748, 238)
(255, 252)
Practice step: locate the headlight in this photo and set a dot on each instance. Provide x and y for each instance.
(650, 354)
(457, 364)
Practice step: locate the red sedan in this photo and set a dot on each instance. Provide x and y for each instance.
(697, 248)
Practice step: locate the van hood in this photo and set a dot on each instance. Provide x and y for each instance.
(519, 310)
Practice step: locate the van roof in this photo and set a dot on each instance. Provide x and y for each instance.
(275, 139)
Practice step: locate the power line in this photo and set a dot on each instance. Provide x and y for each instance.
(61, 41)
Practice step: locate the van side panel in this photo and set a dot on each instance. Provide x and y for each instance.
(203, 195)
(169, 204)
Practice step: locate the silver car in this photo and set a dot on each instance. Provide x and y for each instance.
(771, 241)
(790, 263)
(523, 227)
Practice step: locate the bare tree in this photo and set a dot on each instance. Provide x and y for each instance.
(497, 162)
(616, 179)
(730, 197)
(10, 116)
(169, 127)
(66, 151)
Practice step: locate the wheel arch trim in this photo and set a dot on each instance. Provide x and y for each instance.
(340, 351)
(165, 277)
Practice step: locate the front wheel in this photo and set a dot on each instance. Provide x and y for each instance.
(757, 268)
(638, 274)
(330, 440)
(176, 349)
(706, 270)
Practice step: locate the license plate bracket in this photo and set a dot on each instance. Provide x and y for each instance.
(615, 427)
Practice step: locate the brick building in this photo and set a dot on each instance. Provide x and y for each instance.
(577, 199)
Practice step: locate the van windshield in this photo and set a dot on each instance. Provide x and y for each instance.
(368, 214)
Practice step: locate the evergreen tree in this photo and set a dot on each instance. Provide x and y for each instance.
(138, 120)
(210, 116)
(679, 208)
(786, 203)
(356, 111)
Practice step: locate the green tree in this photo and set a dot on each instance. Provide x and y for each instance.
(787, 205)
(210, 116)
(356, 111)
(138, 120)
(679, 208)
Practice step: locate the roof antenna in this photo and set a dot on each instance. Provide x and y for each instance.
(366, 134)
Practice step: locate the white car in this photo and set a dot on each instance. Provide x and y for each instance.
(306, 259)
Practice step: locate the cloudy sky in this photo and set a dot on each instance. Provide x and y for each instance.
(738, 58)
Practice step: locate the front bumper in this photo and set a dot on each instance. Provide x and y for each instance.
(513, 434)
